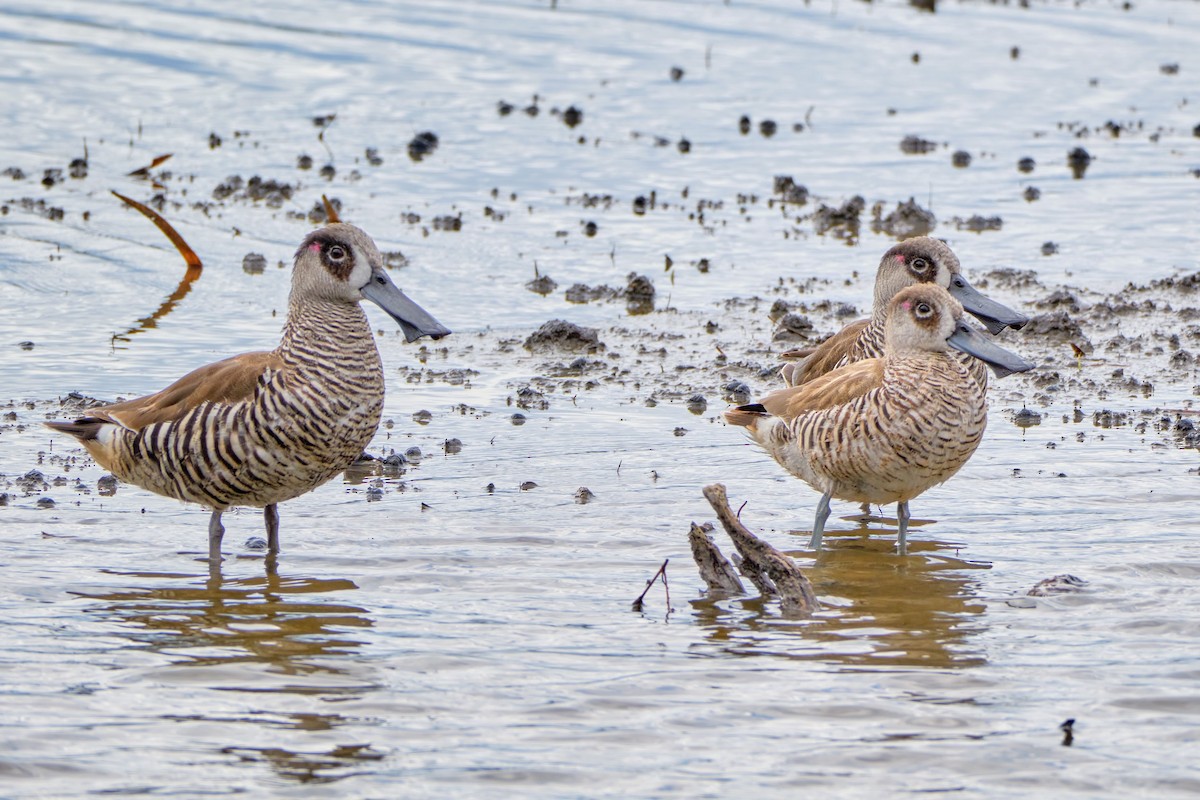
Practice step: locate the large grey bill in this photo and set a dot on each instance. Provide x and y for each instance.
(1003, 362)
(414, 320)
(994, 316)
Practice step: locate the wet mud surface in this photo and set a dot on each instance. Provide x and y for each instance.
(624, 234)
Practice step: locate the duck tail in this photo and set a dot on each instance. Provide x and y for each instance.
(85, 429)
(746, 416)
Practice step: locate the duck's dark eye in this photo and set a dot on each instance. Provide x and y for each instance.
(336, 253)
(923, 310)
(919, 265)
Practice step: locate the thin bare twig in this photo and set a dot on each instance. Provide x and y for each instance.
(637, 604)
(331, 214)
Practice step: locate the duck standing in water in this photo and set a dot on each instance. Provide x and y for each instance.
(921, 260)
(884, 430)
(260, 428)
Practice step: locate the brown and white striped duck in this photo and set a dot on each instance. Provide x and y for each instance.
(912, 262)
(884, 430)
(260, 428)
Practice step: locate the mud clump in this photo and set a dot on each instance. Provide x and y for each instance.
(254, 263)
(582, 293)
(572, 116)
(448, 223)
(558, 334)
(916, 146)
(844, 218)
(792, 326)
(1060, 299)
(1026, 165)
(1056, 326)
(639, 294)
(32, 482)
(789, 191)
(907, 219)
(530, 399)
(542, 284)
(978, 224)
(269, 191)
(1079, 160)
(1010, 278)
(422, 145)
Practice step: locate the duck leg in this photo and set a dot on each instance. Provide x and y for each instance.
(902, 516)
(215, 531)
(819, 523)
(271, 518)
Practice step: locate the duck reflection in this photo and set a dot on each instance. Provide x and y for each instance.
(288, 624)
(326, 766)
(880, 610)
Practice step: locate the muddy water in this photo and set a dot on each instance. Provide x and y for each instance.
(463, 627)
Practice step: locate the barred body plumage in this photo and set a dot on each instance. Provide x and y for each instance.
(885, 429)
(303, 424)
(261, 428)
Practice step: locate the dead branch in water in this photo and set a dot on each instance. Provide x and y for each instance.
(637, 604)
(185, 250)
(767, 568)
(331, 214)
(715, 569)
(194, 268)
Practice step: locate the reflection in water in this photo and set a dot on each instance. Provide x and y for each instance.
(168, 305)
(264, 619)
(194, 265)
(881, 609)
(254, 625)
(310, 767)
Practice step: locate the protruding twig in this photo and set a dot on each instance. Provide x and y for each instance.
(770, 570)
(331, 214)
(185, 250)
(194, 268)
(637, 604)
(144, 172)
(715, 569)
(1068, 732)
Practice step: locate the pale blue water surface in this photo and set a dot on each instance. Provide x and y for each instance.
(446, 640)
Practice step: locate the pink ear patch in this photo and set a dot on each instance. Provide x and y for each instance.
(900, 257)
(316, 248)
(906, 305)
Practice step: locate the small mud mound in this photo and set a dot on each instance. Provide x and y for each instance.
(906, 220)
(422, 145)
(257, 189)
(915, 145)
(558, 334)
(1056, 326)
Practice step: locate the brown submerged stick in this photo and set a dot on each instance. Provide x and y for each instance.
(637, 604)
(770, 570)
(185, 250)
(194, 268)
(715, 569)
(331, 214)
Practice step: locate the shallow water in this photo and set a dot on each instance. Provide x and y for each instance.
(436, 637)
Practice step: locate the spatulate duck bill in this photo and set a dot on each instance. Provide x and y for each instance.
(413, 320)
